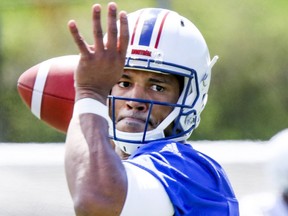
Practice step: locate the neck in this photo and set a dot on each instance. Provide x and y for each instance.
(121, 154)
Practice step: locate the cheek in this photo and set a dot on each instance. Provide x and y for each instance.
(175, 96)
(160, 112)
(114, 90)
(117, 107)
(117, 103)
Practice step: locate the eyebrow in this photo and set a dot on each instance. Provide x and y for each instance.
(160, 80)
(167, 78)
(126, 76)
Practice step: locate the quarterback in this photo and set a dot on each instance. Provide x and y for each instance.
(140, 90)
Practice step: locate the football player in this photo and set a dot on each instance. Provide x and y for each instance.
(140, 91)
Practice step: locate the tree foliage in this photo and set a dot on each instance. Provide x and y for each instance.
(248, 93)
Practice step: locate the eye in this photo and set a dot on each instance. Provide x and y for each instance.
(157, 88)
(124, 84)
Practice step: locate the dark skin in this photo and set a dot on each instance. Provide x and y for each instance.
(131, 115)
(96, 190)
(95, 174)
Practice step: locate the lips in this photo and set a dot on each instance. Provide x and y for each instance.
(133, 119)
(133, 123)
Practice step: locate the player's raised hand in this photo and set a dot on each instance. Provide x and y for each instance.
(101, 65)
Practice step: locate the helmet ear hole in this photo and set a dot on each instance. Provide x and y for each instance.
(204, 100)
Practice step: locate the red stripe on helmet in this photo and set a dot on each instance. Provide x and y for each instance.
(160, 30)
(135, 28)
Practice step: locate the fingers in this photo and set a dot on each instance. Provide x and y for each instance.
(124, 33)
(97, 28)
(112, 27)
(114, 43)
(81, 44)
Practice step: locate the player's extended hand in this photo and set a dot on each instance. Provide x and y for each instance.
(101, 65)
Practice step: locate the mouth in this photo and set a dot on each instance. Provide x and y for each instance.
(132, 119)
(133, 124)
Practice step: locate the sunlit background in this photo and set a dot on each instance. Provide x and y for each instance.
(248, 94)
(248, 100)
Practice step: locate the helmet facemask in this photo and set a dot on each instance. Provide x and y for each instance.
(171, 127)
(161, 41)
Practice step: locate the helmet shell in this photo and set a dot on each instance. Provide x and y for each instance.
(162, 41)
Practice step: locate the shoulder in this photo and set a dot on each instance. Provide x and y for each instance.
(177, 156)
(186, 174)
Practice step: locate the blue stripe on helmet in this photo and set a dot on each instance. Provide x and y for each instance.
(148, 27)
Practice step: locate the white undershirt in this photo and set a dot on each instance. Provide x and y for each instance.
(145, 195)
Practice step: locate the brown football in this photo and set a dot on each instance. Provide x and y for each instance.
(48, 90)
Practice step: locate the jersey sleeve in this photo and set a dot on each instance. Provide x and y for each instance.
(145, 195)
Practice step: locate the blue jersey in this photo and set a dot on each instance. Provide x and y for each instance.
(195, 183)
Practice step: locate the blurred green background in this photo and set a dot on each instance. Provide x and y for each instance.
(248, 94)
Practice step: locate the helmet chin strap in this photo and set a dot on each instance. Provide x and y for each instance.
(130, 147)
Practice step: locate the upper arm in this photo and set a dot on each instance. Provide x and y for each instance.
(95, 175)
(145, 195)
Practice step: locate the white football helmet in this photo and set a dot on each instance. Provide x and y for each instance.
(162, 41)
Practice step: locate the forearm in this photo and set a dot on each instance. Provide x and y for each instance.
(95, 174)
(96, 177)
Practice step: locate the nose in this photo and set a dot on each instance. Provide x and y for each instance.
(137, 92)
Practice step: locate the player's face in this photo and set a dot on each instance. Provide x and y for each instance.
(131, 115)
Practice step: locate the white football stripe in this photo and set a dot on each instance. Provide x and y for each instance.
(139, 29)
(39, 87)
(157, 28)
